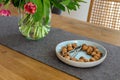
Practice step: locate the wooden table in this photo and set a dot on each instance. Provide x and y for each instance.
(15, 66)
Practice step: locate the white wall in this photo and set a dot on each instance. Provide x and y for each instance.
(80, 14)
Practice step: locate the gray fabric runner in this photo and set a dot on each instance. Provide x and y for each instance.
(44, 51)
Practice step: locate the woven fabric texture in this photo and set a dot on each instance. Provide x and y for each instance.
(44, 51)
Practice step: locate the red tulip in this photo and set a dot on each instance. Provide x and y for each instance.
(4, 12)
(30, 8)
(1, 5)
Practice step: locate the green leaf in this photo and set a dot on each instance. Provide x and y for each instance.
(47, 11)
(39, 12)
(65, 2)
(72, 6)
(81, 1)
(6, 1)
(1, 1)
(19, 3)
(58, 4)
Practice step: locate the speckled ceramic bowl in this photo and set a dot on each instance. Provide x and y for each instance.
(81, 53)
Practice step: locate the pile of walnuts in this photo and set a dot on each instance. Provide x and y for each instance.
(90, 50)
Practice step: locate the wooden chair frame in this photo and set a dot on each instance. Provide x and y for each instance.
(92, 19)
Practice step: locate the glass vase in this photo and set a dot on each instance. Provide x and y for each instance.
(34, 30)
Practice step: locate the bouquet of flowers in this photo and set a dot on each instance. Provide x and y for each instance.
(36, 14)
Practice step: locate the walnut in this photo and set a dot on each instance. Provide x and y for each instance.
(74, 45)
(96, 57)
(81, 60)
(86, 60)
(69, 48)
(74, 59)
(92, 59)
(93, 53)
(99, 53)
(67, 57)
(64, 50)
(69, 45)
(84, 47)
(89, 50)
(96, 50)
(81, 57)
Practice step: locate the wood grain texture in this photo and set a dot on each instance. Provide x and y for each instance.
(113, 0)
(90, 10)
(86, 29)
(102, 16)
(15, 66)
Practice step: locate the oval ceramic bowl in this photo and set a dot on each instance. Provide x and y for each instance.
(81, 53)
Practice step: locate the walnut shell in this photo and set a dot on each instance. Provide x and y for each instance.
(81, 60)
(89, 50)
(64, 50)
(93, 53)
(96, 57)
(69, 45)
(65, 54)
(67, 57)
(74, 45)
(96, 50)
(84, 47)
(69, 48)
(92, 59)
(86, 60)
(81, 57)
(74, 59)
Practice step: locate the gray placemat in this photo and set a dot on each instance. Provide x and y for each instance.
(44, 51)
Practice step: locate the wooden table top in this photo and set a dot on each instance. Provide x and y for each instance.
(15, 66)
